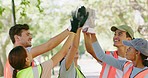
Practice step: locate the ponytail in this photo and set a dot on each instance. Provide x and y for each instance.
(145, 62)
(14, 73)
(144, 59)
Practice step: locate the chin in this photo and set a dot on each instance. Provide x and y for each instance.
(29, 45)
(115, 45)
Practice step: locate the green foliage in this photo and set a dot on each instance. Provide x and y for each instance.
(1, 10)
(48, 18)
(24, 4)
(38, 6)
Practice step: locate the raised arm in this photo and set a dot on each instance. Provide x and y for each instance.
(88, 45)
(73, 50)
(103, 57)
(50, 44)
(57, 57)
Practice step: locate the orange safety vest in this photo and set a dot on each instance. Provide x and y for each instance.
(110, 69)
(8, 70)
(141, 74)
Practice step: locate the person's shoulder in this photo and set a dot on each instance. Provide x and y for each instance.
(29, 49)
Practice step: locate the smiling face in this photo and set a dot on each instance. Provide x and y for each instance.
(131, 54)
(119, 36)
(25, 38)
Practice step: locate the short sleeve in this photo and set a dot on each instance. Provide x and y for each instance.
(47, 66)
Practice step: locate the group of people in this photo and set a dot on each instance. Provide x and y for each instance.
(128, 61)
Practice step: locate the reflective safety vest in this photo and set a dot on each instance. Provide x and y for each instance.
(30, 72)
(79, 74)
(107, 70)
(128, 67)
(8, 70)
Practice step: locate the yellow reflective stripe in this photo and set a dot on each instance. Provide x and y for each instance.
(30, 72)
(79, 73)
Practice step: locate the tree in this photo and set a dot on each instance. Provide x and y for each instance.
(45, 17)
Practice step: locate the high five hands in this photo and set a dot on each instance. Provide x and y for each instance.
(79, 18)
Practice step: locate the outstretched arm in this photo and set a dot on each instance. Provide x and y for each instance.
(48, 65)
(73, 50)
(57, 57)
(50, 44)
(103, 57)
(88, 45)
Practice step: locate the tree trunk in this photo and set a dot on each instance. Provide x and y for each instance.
(3, 56)
(1, 68)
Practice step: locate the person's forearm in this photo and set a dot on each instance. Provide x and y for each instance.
(88, 45)
(52, 43)
(57, 57)
(93, 38)
(106, 58)
(74, 49)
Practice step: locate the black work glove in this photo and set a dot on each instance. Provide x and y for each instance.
(74, 22)
(82, 15)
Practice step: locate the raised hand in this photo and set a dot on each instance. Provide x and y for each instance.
(79, 17)
(91, 18)
(74, 22)
(82, 15)
(90, 23)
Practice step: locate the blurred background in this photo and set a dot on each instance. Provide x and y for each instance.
(48, 18)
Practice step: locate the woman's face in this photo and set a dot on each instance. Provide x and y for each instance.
(131, 54)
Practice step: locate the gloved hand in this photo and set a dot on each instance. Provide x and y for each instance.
(74, 22)
(79, 17)
(82, 15)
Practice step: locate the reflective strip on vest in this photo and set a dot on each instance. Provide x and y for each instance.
(30, 72)
(129, 66)
(79, 74)
(142, 74)
(35, 72)
(107, 70)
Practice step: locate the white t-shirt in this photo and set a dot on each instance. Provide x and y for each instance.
(47, 66)
(119, 72)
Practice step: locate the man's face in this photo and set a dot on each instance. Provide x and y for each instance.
(25, 38)
(119, 36)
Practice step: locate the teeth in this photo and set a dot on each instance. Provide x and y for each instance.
(116, 40)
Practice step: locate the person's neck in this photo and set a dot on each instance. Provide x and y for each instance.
(138, 63)
(17, 44)
(122, 51)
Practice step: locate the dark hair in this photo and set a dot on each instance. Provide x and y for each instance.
(128, 35)
(17, 59)
(17, 30)
(144, 59)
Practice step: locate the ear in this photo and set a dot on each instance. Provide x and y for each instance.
(27, 59)
(138, 52)
(128, 38)
(16, 37)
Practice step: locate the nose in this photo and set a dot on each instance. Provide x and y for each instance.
(30, 37)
